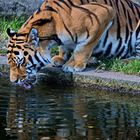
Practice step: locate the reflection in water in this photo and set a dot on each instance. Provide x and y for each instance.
(51, 113)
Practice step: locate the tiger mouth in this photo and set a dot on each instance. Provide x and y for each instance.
(25, 85)
(28, 82)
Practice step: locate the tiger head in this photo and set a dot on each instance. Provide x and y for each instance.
(29, 48)
(24, 58)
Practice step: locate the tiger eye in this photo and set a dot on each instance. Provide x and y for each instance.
(25, 53)
(16, 52)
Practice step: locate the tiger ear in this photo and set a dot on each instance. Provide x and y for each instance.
(10, 32)
(33, 38)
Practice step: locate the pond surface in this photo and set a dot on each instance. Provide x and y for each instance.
(61, 113)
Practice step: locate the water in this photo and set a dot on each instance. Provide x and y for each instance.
(61, 113)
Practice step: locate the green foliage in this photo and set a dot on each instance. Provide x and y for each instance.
(125, 66)
(3, 52)
(54, 50)
(13, 22)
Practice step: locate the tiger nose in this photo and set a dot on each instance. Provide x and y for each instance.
(14, 80)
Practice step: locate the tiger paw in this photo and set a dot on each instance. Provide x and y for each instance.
(58, 61)
(72, 67)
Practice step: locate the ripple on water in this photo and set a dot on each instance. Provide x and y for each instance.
(67, 113)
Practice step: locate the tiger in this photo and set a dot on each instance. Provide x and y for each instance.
(27, 51)
(107, 28)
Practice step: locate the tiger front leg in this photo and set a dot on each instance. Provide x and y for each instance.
(78, 60)
(60, 59)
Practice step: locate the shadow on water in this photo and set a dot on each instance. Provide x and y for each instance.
(62, 113)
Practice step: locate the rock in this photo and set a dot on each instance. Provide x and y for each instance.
(136, 1)
(22, 7)
(18, 7)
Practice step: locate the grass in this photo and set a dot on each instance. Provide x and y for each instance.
(13, 22)
(124, 66)
(117, 65)
(3, 51)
